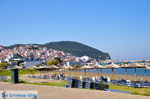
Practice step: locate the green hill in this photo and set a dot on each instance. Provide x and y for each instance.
(75, 48)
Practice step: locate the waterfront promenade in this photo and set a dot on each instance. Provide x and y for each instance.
(116, 76)
(49, 92)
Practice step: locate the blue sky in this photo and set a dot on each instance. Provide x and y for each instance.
(119, 27)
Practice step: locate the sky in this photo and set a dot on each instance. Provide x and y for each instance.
(118, 27)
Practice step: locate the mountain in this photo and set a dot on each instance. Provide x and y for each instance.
(75, 48)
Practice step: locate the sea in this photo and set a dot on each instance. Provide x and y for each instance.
(31, 63)
(139, 71)
(131, 71)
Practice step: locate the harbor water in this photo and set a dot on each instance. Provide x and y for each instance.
(139, 71)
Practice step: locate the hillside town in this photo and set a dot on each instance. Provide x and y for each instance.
(30, 55)
(33, 53)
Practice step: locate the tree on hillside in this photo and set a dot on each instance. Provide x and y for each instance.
(54, 61)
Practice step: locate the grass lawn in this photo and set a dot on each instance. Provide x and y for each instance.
(28, 71)
(136, 91)
(21, 72)
(59, 84)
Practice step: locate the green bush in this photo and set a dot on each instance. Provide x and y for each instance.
(54, 61)
(38, 65)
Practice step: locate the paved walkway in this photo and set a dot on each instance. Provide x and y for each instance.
(49, 92)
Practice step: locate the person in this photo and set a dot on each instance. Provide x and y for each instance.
(104, 79)
(61, 75)
(101, 77)
(108, 79)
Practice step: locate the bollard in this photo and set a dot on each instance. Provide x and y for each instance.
(14, 76)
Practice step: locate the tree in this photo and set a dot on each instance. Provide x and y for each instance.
(58, 59)
(38, 65)
(77, 66)
(54, 61)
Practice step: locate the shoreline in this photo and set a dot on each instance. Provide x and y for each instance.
(90, 75)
